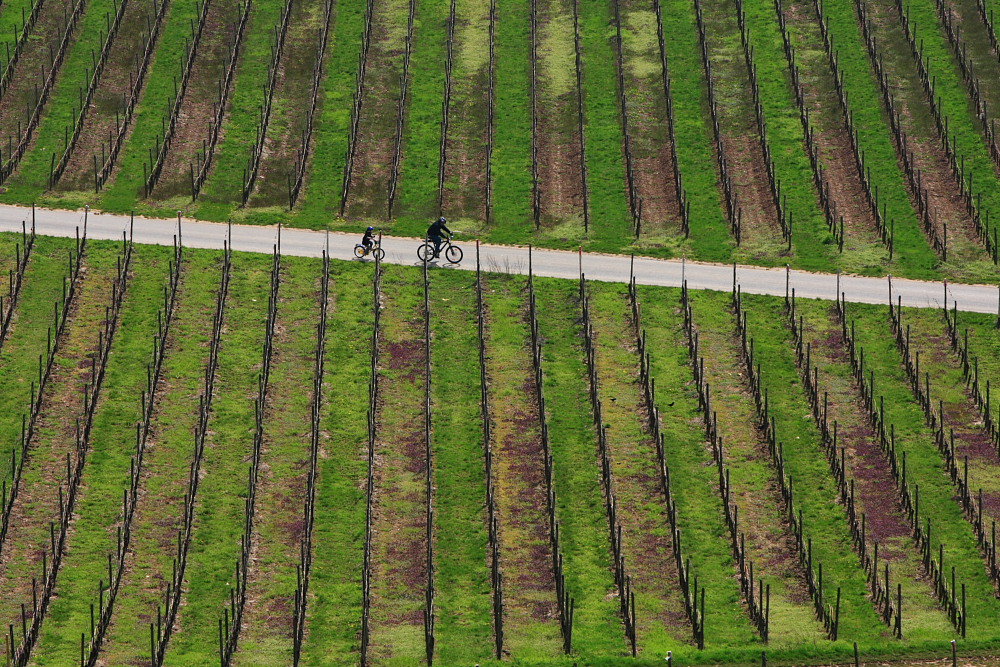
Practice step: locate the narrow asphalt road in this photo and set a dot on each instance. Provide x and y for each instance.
(548, 263)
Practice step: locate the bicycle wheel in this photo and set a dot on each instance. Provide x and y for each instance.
(425, 252)
(359, 251)
(379, 254)
(453, 254)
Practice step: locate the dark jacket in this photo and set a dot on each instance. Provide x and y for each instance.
(437, 228)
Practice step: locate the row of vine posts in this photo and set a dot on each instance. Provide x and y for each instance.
(161, 631)
(41, 591)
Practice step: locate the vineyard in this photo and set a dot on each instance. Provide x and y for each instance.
(852, 135)
(227, 458)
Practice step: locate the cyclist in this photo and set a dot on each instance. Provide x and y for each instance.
(435, 234)
(368, 240)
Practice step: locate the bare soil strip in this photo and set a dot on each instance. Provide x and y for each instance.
(829, 128)
(946, 202)
(399, 546)
(530, 609)
(44, 473)
(368, 194)
(290, 104)
(652, 154)
(158, 514)
(754, 488)
(760, 228)
(560, 180)
(196, 111)
(465, 169)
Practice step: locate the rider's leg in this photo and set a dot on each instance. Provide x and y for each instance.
(437, 245)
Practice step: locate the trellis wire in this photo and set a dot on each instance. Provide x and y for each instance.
(161, 631)
(581, 117)
(302, 153)
(90, 652)
(20, 654)
(256, 151)
(304, 568)
(404, 85)
(565, 601)
(366, 569)
(496, 575)
(168, 124)
(358, 100)
(22, 253)
(230, 624)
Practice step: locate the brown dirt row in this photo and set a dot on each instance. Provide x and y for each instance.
(642, 506)
(652, 154)
(960, 413)
(281, 489)
(111, 95)
(830, 131)
(465, 167)
(376, 138)
(753, 485)
(158, 513)
(519, 474)
(203, 90)
(38, 503)
(945, 198)
(399, 522)
(740, 140)
(19, 98)
(291, 103)
(560, 181)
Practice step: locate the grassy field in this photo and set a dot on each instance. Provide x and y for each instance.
(491, 137)
(463, 593)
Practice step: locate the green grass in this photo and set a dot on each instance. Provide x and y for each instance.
(333, 621)
(911, 254)
(512, 141)
(463, 602)
(610, 219)
(812, 241)
(418, 175)
(219, 511)
(265, 638)
(239, 130)
(107, 470)
(158, 516)
(597, 623)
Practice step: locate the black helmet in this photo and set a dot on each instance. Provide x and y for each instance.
(441, 219)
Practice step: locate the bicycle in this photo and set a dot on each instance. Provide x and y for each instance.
(361, 251)
(452, 253)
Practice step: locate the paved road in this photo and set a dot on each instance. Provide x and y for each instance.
(549, 263)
